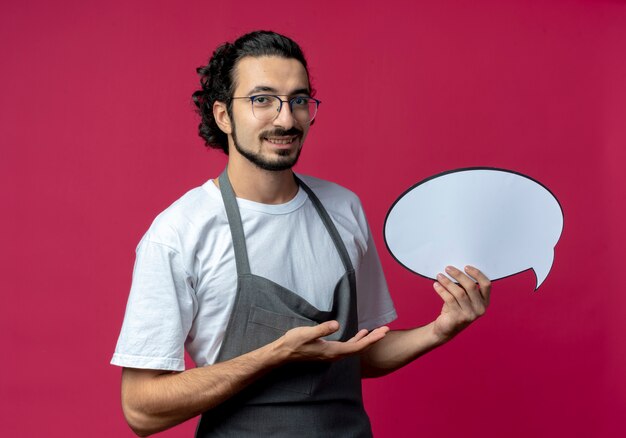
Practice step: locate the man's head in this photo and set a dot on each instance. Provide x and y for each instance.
(257, 63)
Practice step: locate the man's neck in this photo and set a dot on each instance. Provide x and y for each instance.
(255, 184)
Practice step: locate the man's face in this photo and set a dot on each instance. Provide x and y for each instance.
(271, 145)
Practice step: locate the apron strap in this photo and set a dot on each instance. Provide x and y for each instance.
(234, 221)
(330, 226)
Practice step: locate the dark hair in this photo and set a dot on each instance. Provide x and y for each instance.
(217, 77)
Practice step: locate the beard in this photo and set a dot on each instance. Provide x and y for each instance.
(283, 160)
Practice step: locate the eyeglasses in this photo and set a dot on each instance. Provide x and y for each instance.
(266, 107)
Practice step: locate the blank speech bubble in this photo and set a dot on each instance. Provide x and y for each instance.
(500, 221)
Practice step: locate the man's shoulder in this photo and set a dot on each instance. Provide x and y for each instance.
(187, 215)
(330, 191)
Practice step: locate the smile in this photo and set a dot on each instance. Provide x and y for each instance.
(281, 140)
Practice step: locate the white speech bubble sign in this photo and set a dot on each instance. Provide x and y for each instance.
(498, 220)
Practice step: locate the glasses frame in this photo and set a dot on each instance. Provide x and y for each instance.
(280, 107)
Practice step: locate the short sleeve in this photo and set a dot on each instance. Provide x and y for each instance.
(374, 302)
(159, 312)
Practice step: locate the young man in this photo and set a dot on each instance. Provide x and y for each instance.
(271, 281)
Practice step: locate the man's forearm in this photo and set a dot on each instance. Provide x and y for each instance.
(397, 349)
(154, 401)
(464, 302)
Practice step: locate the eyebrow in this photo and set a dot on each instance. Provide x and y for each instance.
(266, 89)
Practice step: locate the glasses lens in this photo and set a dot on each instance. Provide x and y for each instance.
(303, 109)
(265, 107)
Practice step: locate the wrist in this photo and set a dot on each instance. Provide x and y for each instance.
(274, 354)
(435, 336)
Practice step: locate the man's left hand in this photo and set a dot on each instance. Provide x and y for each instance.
(463, 302)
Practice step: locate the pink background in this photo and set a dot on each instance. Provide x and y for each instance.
(98, 135)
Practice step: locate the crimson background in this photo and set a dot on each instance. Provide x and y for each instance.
(98, 135)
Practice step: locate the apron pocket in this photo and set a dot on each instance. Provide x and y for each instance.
(264, 327)
(277, 321)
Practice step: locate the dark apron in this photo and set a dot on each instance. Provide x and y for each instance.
(300, 399)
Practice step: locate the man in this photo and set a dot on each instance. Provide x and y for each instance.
(271, 281)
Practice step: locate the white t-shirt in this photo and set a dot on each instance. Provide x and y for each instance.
(185, 279)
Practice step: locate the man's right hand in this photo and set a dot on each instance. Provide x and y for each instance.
(306, 343)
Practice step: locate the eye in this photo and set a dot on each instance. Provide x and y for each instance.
(261, 100)
(300, 100)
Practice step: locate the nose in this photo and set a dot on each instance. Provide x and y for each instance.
(285, 117)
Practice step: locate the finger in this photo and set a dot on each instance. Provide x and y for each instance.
(476, 305)
(457, 291)
(483, 282)
(446, 296)
(337, 348)
(360, 335)
(318, 331)
(377, 334)
(464, 280)
(471, 288)
(373, 335)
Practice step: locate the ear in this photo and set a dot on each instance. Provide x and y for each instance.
(220, 112)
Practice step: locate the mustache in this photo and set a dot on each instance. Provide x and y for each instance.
(279, 132)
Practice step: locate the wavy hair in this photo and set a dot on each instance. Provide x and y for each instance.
(217, 77)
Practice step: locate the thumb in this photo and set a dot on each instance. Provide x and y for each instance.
(327, 328)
